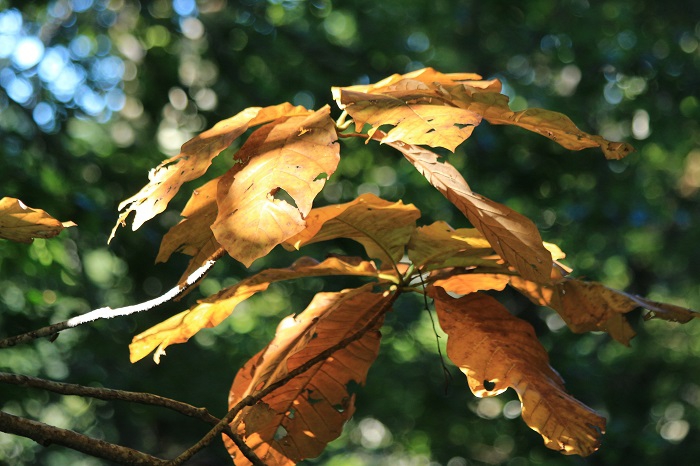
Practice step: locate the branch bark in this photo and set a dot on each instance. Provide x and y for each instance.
(46, 435)
(109, 313)
(253, 399)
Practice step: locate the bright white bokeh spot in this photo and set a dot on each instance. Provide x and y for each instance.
(10, 22)
(675, 431)
(53, 63)
(115, 100)
(640, 125)
(373, 434)
(28, 52)
(512, 409)
(192, 28)
(489, 408)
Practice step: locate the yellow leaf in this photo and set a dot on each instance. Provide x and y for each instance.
(472, 282)
(295, 155)
(298, 420)
(211, 311)
(194, 160)
(419, 116)
(496, 351)
(193, 235)
(382, 227)
(553, 125)
(438, 245)
(513, 236)
(22, 224)
(425, 76)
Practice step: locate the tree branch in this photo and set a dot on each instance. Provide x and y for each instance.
(46, 435)
(251, 400)
(108, 313)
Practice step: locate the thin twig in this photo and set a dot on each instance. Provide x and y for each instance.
(46, 435)
(446, 374)
(251, 400)
(108, 313)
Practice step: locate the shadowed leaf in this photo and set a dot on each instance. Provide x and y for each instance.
(496, 351)
(591, 306)
(513, 236)
(287, 155)
(22, 224)
(298, 420)
(194, 160)
(213, 310)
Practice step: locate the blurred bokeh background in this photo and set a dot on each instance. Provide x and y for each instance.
(94, 93)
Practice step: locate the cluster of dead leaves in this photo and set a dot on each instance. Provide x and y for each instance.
(293, 150)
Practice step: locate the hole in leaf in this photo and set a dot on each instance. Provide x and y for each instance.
(461, 126)
(488, 385)
(282, 195)
(280, 433)
(291, 413)
(321, 176)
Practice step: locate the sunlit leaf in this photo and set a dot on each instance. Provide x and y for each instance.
(298, 420)
(382, 227)
(211, 311)
(193, 235)
(493, 107)
(22, 224)
(425, 76)
(193, 161)
(472, 282)
(439, 245)
(496, 351)
(513, 236)
(294, 156)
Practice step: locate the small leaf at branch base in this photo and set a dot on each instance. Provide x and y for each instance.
(382, 227)
(22, 224)
(298, 420)
(438, 245)
(211, 311)
(496, 351)
(287, 154)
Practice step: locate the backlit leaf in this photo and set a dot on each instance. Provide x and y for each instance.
(22, 224)
(439, 245)
(296, 156)
(493, 107)
(298, 420)
(591, 306)
(497, 350)
(512, 235)
(211, 311)
(193, 161)
(193, 235)
(472, 282)
(382, 227)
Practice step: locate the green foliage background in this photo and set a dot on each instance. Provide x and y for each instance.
(626, 69)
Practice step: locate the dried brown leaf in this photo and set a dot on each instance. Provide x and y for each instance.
(513, 236)
(22, 224)
(211, 311)
(296, 155)
(495, 349)
(193, 161)
(298, 421)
